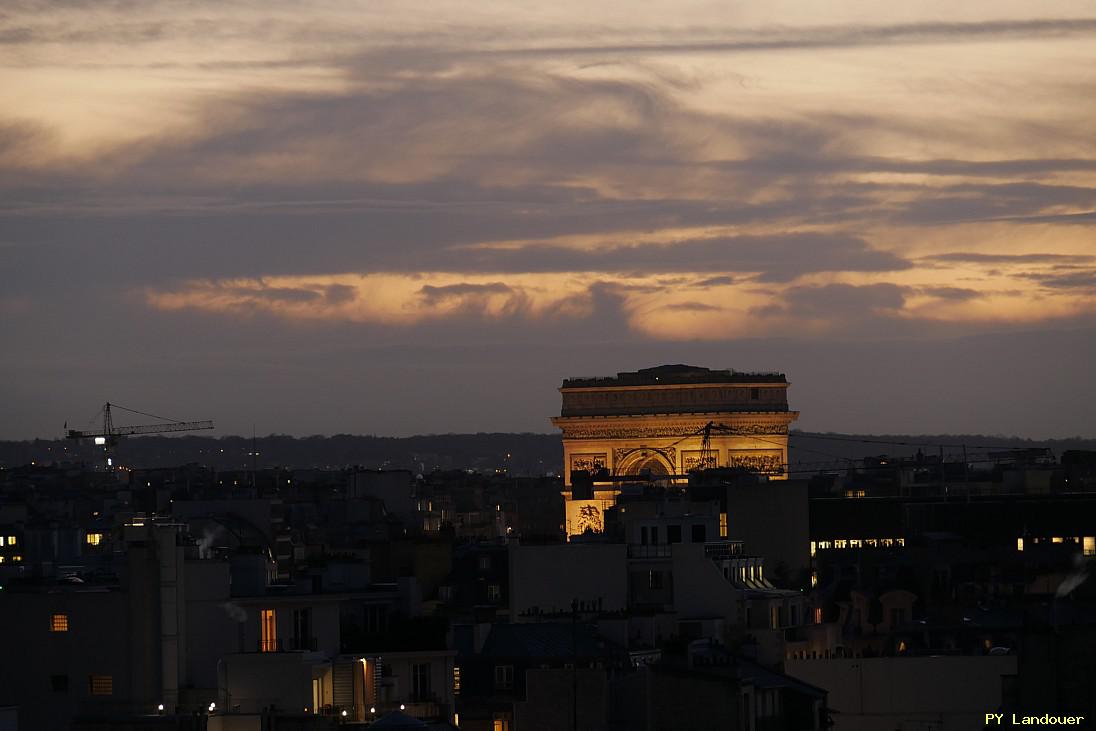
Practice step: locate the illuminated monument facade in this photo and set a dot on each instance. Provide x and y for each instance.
(667, 421)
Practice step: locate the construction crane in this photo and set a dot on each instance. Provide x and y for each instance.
(108, 436)
(707, 456)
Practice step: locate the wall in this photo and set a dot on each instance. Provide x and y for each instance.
(888, 693)
(549, 577)
(772, 520)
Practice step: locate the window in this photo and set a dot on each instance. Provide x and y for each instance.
(101, 684)
(58, 623)
(654, 536)
(673, 534)
(16, 559)
(94, 539)
(302, 629)
(445, 593)
(654, 579)
(795, 615)
(494, 592)
(818, 615)
(700, 533)
(11, 540)
(484, 563)
(420, 681)
(643, 535)
(755, 394)
(898, 617)
(375, 618)
(501, 722)
(504, 677)
(456, 680)
(58, 683)
(268, 631)
(1089, 545)
(722, 525)
(774, 617)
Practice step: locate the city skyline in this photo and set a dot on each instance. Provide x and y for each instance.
(363, 219)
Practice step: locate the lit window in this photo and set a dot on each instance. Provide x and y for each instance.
(900, 541)
(1056, 539)
(268, 627)
(818, 615)
(1090, 545)
(2, 540)
(16, 559)
(58, 623)
(94, 539)
(814, 548)
(456, 680)
(2, 559)
(1019, 544)
(814, 578)
(101, 684)
(11, 540)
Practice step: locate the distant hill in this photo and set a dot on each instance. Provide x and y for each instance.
(813, 450)
(522, 454)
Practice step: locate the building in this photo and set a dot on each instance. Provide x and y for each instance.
(654, 420)
(665, 422)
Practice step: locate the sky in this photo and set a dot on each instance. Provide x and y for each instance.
(397, 218)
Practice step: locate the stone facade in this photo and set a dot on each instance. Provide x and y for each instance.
(654, 420)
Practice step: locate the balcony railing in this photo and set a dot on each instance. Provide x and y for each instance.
(292, 644)
(722, 550)
(660, 550)
(302, 644)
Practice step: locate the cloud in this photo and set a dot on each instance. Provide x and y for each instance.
(691, 307)
(838, 301)
(984, 258)
(951, 293)
(1084, 279)
(715, 281)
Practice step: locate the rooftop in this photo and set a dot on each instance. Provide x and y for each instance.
(674, 375)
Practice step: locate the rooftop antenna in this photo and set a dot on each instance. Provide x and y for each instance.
(254, 455)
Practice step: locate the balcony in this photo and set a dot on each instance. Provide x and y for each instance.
(292, 644)
(302, 644)
(722, 550)
(649, 551)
